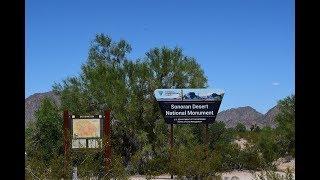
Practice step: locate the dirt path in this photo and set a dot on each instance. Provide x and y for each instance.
(234, 175)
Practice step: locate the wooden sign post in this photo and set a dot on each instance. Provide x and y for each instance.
(189, 106)
(66, 141)
(206, 139)
(107, 145)
(100, 123)
(171, 145)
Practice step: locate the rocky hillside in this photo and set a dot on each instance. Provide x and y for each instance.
(269, 118)
(245, 115)
(32, 103)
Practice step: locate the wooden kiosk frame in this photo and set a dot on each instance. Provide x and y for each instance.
(105, 134)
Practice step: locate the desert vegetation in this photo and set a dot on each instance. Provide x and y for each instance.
(109, 79)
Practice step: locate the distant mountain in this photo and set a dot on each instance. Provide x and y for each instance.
(245, 115)
(269, 118)
(32, 103)
(231, 117)
(248, 116)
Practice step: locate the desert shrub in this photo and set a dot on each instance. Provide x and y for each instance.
(140, 158)
(43, 142)
(45, 134)
(156, 166)
(257, 129)
(216, 130)
(89, 162)
(271, 175)
(251, 159)
(251, 136)
(286, 126)
(55, 166)
(193, 162)
(240, 127)
(36, 169)
(118, 169)
(230, 156)
(146, 162)
(268, 145)
(184, 136)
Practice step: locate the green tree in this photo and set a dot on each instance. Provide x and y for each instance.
(268, 145)
(43, 140)
(286, 125)
(110, 80)
(279, 142)
(45, 134)
(217, 134)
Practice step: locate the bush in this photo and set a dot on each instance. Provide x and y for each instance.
(240, 127)
(157, 166)
(229, 155)
(286, 126)
(232, 157)
(251, 159)
(118, 169)
(56, 163)
(45, 134)
(193, 162)
(268, 145)
(271, 175)
(89, 162)
(43, 142)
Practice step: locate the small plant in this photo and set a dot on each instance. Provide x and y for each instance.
(271, 175)
(193, 162)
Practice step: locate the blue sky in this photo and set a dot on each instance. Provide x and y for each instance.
(246, 47)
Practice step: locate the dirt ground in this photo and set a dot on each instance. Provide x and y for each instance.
(234, 175)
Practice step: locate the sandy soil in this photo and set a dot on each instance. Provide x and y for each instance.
(244, 175)
(282, 164)
(285, 163)
(241, 142)
(234, 175)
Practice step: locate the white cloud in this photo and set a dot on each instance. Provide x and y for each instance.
(275, 83)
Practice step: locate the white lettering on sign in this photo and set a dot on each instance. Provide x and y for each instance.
(194, 106)
(175, 113)
(199, 113)
(180, 106)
